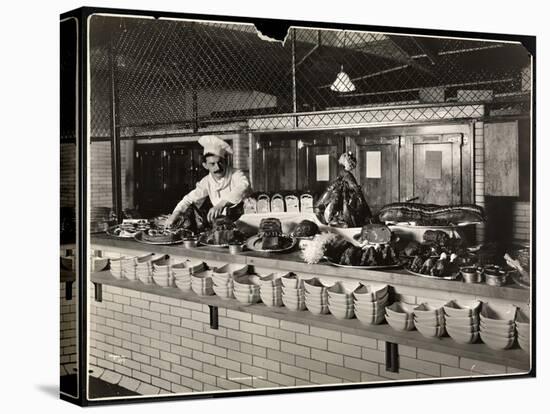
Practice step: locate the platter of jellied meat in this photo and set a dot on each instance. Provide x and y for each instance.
(128, 229)
(284, 244)
(161, 236)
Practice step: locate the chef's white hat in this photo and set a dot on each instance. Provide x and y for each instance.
(214, 145)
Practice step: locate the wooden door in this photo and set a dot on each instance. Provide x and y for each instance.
(149, 182)
(183, 171)
(275, 164)
(318, 161)
(377, 170)
(433, 168)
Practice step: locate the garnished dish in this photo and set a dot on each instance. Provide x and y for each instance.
(306, 229)
(431, 215)
(223, 233)
(161, 236)
(270, 237)
(442, 267)
(129, 228)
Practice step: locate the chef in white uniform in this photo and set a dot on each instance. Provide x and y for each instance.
(225, 186)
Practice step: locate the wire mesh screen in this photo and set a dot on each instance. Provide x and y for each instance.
(194, 76)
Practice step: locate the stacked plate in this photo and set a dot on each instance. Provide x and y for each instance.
(400, 316)
(497, 326)
(369, 304)
(202, 283)
(162, 271)
(429, 320)
(139, 268)
(247, 289)
(522, 328)
(293, 292)
(182, 273)
(462, 320)
(271, 291)
(223, 279)
(340, 300)
(316, 296)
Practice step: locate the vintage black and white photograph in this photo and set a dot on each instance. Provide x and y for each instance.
(276, 207)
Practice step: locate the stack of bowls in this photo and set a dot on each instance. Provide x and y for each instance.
(340, 300)
(117, 269)
(462, 321)
(247, 289)
(293, 292)
(140, 268)
(429, 320)
(182, 273)
(522, 328)
(369, 304)
(271, 291)
(400, 316)
(497, 327)
(223, 279)
(202, 283)
(162, 271)
(316, 296)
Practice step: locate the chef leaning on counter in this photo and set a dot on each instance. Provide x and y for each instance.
(225, 186)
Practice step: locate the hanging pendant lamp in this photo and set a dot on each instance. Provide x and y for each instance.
(342, 83)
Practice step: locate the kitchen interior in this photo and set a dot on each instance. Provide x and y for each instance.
(394, 168)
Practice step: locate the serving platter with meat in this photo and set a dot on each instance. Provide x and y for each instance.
(270, 238)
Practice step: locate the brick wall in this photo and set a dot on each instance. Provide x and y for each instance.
(100, 174)
(67, 185)
(153, 344)
(67, 333)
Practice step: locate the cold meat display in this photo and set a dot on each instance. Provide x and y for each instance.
(431, 214)
(343, 203)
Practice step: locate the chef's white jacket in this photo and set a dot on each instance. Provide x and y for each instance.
(233, 187)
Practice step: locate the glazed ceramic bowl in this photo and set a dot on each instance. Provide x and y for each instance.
(341, 312)
(246, 297)
(293, 304)
(461, 309)
(370, 307)
(370, 318)
(292, 281)
(370, 292)
(223, 292)
(222, 281)
(291, 292)
(523, 322)
(272, 280)
(183, 283)
(430, 331)
(462, 328)
(163, 279)
(400, 324)
(462, 337)
(498, 315)
(314, 286)
(317, 309)
(188, 267)
(506, 330)
(428, 310)
(470, 320)
(231, 269)
(524, 343)
(400, 311)
(496, 342)
(271, 301)
(247, 283)
(435, 320)
(341, 292)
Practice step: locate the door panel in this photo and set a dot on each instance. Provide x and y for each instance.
(149, 180)
(312, 161)
(378, 169)
(433, 168)
(275, 165)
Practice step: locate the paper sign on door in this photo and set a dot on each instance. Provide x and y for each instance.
(433, 165)
(322, 165)
(374, 164)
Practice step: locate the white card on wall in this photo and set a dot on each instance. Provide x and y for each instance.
(374, 164)
(322, 165)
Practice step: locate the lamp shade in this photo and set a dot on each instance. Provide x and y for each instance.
(342, 83)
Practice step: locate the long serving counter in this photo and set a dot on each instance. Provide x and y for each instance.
(206, 336)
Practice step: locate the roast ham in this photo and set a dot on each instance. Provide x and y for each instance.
(431, 213)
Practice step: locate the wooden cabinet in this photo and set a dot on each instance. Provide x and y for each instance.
(377, 168)
(428, 163)
(164, 174)
(502, 159)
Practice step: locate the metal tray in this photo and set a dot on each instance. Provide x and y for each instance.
(252, 244)
(139, 238)
(450, 277)
(393, 266)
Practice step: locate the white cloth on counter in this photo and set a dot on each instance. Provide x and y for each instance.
(233, 187)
